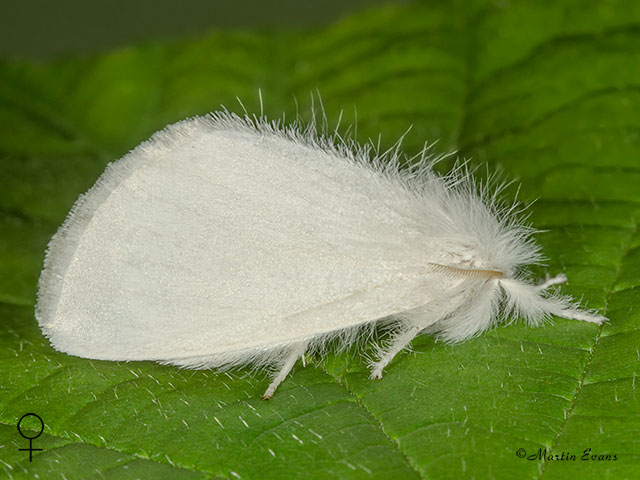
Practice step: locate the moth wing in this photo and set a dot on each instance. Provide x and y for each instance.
(215, 238)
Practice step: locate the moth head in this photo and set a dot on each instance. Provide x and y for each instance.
(490, 297)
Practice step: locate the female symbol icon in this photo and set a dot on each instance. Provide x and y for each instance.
(30, 449)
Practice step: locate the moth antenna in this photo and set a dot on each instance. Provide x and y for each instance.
(466, 272)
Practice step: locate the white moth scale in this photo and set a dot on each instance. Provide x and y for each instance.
(226, 241)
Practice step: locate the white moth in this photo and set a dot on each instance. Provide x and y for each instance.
(225, 241)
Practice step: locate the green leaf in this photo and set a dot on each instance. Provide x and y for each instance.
(548, 92)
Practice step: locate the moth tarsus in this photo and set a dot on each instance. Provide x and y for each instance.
(551, 281)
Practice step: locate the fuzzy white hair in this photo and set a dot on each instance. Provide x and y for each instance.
(472, 274)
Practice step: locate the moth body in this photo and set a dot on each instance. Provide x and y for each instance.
(225, 241)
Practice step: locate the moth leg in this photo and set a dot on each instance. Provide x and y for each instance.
(550, 281)
(398, 344)
(573, 313)
(568, 312)
(295, 352)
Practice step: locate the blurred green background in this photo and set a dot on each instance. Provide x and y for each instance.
(43, 29)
